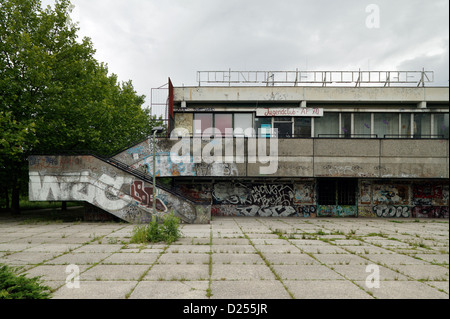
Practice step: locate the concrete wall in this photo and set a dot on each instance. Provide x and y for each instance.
(312, 94)
(375, 198)
(396, 198)
(374, 158)
(88, 179)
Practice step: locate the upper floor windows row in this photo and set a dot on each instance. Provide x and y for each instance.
(331, 124)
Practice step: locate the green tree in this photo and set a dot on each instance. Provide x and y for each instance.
(54, 95)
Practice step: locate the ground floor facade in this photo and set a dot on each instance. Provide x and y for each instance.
(322, 197)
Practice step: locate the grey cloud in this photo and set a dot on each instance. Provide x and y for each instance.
(149, 40)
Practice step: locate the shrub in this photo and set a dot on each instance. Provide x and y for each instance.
(13, 286)
(167, 231)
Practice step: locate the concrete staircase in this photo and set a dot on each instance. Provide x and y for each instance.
(110, 185)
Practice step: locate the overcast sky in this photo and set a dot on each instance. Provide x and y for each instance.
(148, 41)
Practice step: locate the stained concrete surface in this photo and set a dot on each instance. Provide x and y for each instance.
(236, 258)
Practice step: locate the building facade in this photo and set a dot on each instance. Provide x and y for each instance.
(249, 147)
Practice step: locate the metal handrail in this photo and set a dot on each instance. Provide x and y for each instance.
(271, 78)
(124, 167)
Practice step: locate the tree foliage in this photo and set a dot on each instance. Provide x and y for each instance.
(54, 95)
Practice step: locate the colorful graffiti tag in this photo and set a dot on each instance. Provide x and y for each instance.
(263, 199)
(337, 211)
(392, 211)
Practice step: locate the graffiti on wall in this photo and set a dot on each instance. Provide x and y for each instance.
(196, 192)
(431, 212)
(266, 211)
(104, 191)
(426, 194)
(366, 211)
(392, 211)
(336, 211)
(107, 188)
(389, 194)
(422, 194)
(306, 210)
(166, 167)
(144, 195)
(259, 199)
(365, 193)
(304, 193)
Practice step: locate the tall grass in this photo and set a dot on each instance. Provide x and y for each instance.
(167, 231)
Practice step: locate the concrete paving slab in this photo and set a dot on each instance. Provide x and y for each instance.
(52, 272)
(189, 249)
(183, 258)
(326, 249)
(241, 272)
(237, 259)
(130, 258)
(114, 272)
(11, 247)
(325, 289)
(229, 241)
(367, 249)
(170, 290)
(340, 259)
(290, 259)
(78, 259)
(394, 259)
(96, 290)
(305, 272)
(256, 289)
(98, 248)
(362, 272)
(233, 249)
(308, 242)
(52, 248)
(424, 272)
(440, 285)
(178, 272)
(112, 268)
(280, 249)
(404, 290)
(434, 258)
(26, 258)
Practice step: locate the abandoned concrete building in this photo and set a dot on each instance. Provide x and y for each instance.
(305, 144)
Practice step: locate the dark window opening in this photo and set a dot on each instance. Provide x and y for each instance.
(327, 192)
(302, 127)
(283, 129)
(332, 191)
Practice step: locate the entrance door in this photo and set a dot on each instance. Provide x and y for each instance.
(337, 197)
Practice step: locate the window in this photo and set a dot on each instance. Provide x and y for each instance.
(326, 126)
(341, 191)
(202, 121)
(362, 124)
(243, 124)
(302, 127)
(346, 191)
(440, 124)
(223, 122)
(326, 192)
(386, 125)
(263, 126)
(405, 127)
(422, 125)
(346, 125)
(283, 126)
